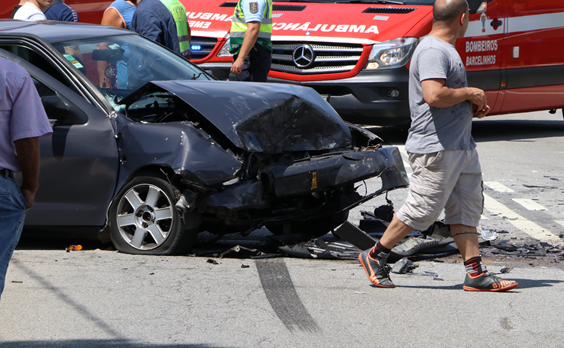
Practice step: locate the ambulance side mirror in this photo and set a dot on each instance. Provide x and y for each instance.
(478, 6)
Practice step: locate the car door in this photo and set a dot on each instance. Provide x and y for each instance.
(79, 161)
(534, 63)
(481, 48)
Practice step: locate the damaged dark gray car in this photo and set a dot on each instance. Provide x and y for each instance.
(148, 150)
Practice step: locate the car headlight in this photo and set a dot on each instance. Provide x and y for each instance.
(224, 51)
(391, 54)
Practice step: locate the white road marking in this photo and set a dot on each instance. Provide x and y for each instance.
(520, 222)
(561, 222)
(499, 187)
(529, 204)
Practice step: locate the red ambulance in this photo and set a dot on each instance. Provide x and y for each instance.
(356, 52)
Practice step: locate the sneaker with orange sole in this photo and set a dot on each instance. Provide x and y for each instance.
(378, 271)
(488, 282)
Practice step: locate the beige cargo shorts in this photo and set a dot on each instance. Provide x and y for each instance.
(449, 180)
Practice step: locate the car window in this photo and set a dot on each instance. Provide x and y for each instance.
(58, 108)
(39, 61)
(119, 65)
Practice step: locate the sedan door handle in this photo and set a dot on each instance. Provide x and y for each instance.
(496, 23)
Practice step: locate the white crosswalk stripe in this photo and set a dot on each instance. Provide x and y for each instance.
(496, 186)
(520, 222)
(529, 204)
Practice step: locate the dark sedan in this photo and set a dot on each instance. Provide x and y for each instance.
(147, 149)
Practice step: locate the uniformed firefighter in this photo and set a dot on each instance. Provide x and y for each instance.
(251, 45)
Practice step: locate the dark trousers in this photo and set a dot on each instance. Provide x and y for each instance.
(256, 66)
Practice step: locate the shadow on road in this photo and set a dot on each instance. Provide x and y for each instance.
(97, 344)
(523, 284)
(489, 129)
(515, 130)
(32, 242)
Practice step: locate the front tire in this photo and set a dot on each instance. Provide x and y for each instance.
(145, 220)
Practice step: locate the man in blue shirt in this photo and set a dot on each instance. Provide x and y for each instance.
(22, 122)
(153, 20)
(60, 11)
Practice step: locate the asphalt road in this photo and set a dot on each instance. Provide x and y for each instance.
(101, 298)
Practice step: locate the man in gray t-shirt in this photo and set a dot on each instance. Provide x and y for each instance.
(446, 168)
(433, 128)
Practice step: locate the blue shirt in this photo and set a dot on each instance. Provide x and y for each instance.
(60, 11)
(125, 10)
(21, 112)
(155, 22)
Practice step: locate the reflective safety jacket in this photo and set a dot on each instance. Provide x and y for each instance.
(179, 13)
(239, 27)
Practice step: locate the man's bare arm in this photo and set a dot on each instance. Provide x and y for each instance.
(112, 18)
(438, 95)
(28, 156)
(251, 35)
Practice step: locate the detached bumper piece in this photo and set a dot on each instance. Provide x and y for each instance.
(319, 174)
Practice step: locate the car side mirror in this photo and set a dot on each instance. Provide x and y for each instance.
(65, 113)
(478, 6)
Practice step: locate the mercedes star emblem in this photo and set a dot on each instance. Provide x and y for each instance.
(303, 56)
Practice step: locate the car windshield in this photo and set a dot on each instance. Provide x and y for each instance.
(119, 65)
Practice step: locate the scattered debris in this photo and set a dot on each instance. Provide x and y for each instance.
(505, 270)
(359, 292)
(540, 186)
(404, 266)
(489, 235)
(17, 281)
(73, 248)
(245, 266)
(438, 278)
(355, 236)
(239, 252)
(212, 261)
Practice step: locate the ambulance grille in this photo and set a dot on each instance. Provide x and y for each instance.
(329, 58)
(389, 10)
(286, 8)
(206, 45)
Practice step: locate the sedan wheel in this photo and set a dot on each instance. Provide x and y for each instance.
(144, 219)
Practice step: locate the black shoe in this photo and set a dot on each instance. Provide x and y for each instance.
(378, 271)
(488, 282)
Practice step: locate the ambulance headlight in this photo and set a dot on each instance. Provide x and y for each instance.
(391, 54)
(224, 51)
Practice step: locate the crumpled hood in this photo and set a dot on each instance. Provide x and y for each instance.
(260, 117)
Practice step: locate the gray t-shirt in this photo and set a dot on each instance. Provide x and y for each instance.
(435, 129)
